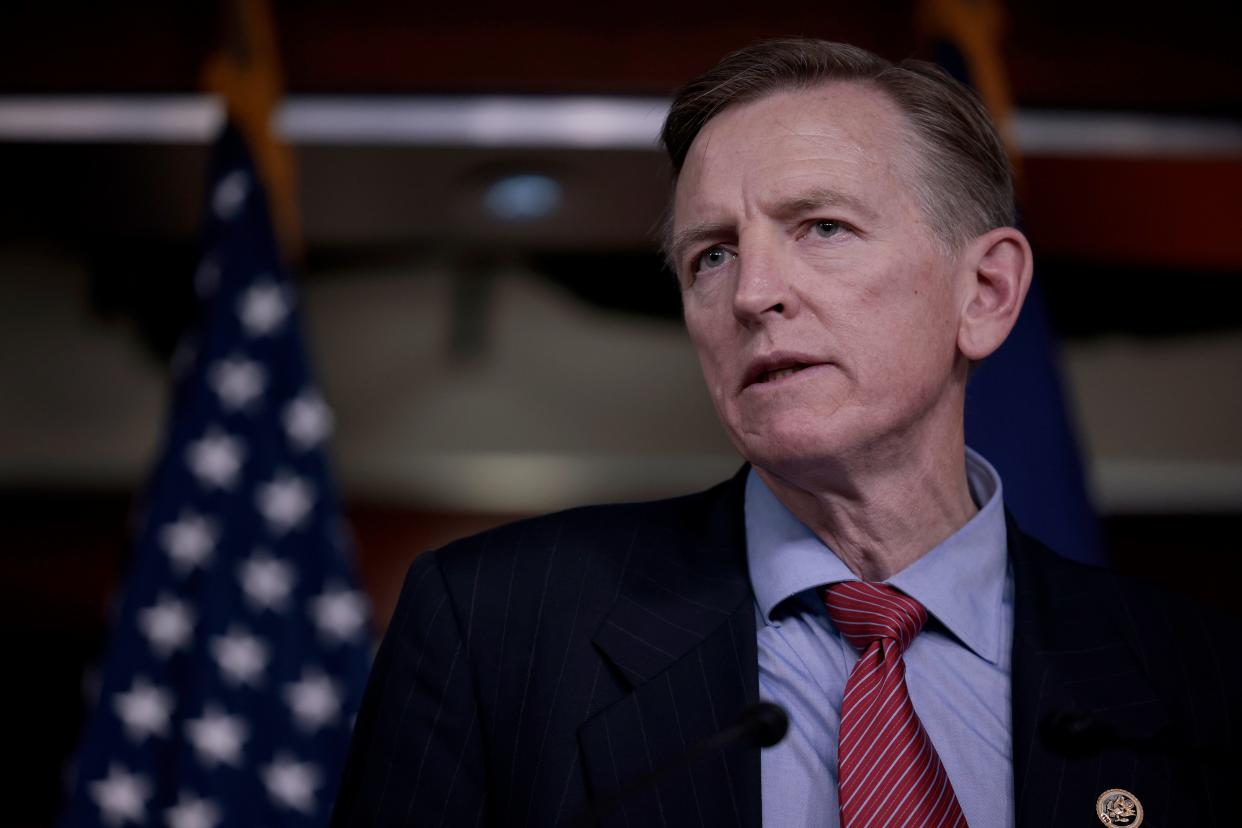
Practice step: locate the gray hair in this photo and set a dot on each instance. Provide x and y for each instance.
(965, 187)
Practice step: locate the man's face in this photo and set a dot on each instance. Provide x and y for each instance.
(823, 308)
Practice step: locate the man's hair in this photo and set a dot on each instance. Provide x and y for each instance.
(964, 183)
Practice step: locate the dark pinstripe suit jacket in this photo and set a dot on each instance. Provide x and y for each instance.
(533, 667)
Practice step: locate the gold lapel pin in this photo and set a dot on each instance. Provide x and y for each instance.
(1117, 807)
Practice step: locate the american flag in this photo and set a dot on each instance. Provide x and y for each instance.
(241, 642)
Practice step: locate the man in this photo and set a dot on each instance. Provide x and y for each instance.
(841, 231)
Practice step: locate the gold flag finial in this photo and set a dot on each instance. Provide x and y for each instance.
(245, 72)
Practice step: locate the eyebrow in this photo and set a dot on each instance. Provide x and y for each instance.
(817, 199)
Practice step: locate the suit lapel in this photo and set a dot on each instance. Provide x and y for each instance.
(1082, 705)
(682, 635)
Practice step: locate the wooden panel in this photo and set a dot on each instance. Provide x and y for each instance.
(1182, 213)
(1105, 55)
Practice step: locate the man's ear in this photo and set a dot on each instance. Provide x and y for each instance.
(996, 269)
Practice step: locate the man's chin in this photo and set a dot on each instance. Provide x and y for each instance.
(790, 454)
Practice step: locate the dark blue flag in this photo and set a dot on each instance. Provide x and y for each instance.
(1017, 417)
(241, 642)
(1016, 410)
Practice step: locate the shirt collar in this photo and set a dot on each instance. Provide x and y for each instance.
(961, 581)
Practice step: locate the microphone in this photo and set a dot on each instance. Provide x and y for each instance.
(768, 722)
(1075, 735)
(761, 725)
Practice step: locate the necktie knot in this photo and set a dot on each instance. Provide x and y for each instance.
(865, 612)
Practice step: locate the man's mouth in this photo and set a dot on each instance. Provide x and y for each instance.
(780, 373)
(777, 367)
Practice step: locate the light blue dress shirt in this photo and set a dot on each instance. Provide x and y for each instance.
(957, 669)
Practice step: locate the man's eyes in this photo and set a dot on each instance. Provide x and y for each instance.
(717, 255)
(826, 228)
(712, 258)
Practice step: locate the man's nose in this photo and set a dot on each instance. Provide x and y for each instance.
(763, 287)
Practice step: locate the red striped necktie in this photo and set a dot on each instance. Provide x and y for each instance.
(889, 774)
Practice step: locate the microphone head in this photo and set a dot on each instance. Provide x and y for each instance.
(1075, 734)
(766, 723)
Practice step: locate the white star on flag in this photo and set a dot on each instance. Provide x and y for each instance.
(189, 541)
(308, 420)
(291, 784)
(285, 502)
(241, 657)
(266, 581)
(192, 812)
(167, 624)
(237, 381)
(144, 709)
(315, 700)
(230, 194)
(121, 796)
(263, 308)
(217, 737)
(339, 613)
(216, 459)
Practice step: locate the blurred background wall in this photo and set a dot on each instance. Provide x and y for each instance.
(490, 321)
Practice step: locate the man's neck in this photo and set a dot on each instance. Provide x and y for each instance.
(879, 520)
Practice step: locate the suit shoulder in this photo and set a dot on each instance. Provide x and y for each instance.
(1127, 596)
(606, 534)
(1178, 640)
